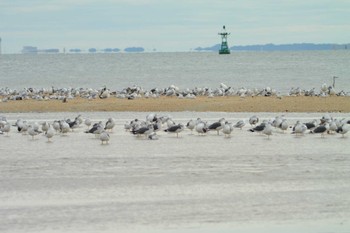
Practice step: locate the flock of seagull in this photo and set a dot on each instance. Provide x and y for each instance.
(149, 127)
(64, 94)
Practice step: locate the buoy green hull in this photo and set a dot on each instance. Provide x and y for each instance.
(224, 51)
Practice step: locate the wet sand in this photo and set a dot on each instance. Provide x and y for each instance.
(245, 183)
(173, 104)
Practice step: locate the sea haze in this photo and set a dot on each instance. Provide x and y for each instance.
(278, 70)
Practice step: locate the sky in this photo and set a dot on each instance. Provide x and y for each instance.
(169, 25)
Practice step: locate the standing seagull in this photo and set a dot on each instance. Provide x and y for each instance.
(175, 129)
(343, 129)
(311, 125)
(32, 131)
(299, 128)
(49, 133)
(110, 124)
(190, 125)
(201, 128)
(267, 130)
(217, 125)
(6, 128)
(227, 129)
(322, 129)
(104, 137)
(144, 130)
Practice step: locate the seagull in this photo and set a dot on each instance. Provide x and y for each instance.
(104, 137)
(253, 120)
(283, 125)
(190, 125)
(333, 127)
(110, 124)
(227, 129)
(157, 125)
(259, 128)
(311, 125)
(73, 124)
(267, 130)
(321, 129)
(87, 122)
(64, 127)
(240, 124)
(217, 125)
(153, 136)
(201, 128)
(299, 128)
(49, 133)
(175, 129)
(56, 126)
(343, 129)
(5, 128)
(32, 131)
(96, 129)
(145, 130)
(45, 126)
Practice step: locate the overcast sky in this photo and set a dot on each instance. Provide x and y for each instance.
(169, 25)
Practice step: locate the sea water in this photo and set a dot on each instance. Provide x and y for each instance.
(278, 70)
(243, 183)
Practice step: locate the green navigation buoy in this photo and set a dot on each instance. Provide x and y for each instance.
(224, 47)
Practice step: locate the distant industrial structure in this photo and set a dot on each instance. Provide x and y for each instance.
(35, 50)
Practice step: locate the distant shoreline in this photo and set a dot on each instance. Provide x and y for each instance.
(174, 104)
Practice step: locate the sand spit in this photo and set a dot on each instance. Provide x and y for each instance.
(174, 104)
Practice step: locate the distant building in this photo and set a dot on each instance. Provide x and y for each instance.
(29, 50)
(75, 50)
(35, 50)
(134, 49)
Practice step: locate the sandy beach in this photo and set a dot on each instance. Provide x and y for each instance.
(172, 104)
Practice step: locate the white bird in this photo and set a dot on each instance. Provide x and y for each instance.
(267, 130)
(45, 126)
(49, 133)
(240, 124)
(6, 128)
(64, 127)
(32, 131)
(343, 129)
(201, 128)
(190, 125)
(253, 120)
(87, 122)
(110, 124)
(227, 129)
(299, 128)
(104, 137)
(333, 126)
(283, 125)
(56, 126)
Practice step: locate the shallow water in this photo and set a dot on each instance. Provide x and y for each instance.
(245, 183)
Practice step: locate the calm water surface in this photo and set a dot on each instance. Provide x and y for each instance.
(279, 70)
